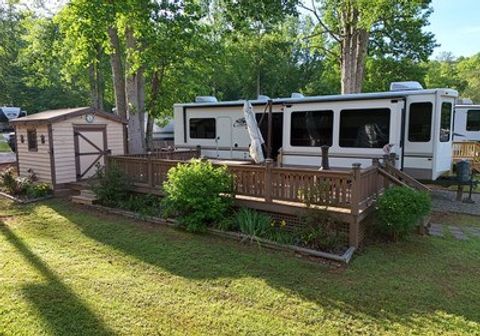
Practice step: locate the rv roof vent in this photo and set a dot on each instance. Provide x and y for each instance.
(297, 95)
(263, 97)
(402, 86)
(206, 99)
(464, 101)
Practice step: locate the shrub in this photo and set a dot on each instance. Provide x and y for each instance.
(199, 193)
(145, 205)
(320, 231)
(253, 223)
(13, 184)
(111, 186)
(400, 209)
(38, 190)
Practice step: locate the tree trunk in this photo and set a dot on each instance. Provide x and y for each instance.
(135, 88)
(118, 74)
(151, 119)
(96, 86)
(354, 46)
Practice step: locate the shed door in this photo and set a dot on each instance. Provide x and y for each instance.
(90, 149)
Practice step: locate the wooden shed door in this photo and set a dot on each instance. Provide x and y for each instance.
(90, 149)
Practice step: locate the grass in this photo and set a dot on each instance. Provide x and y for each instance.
(461, 220)
(4, 147)
(66, 271)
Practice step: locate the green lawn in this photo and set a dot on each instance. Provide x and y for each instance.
(4, 147)
(65, 271)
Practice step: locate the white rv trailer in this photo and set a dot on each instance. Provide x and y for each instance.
(467, 123)
(357, 127)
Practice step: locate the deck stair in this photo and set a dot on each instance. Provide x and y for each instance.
(86, 196)
(400, 178)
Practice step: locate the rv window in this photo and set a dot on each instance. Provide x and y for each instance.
(311, 129)
(473, 120)
(445, 122)
(420, 122)
(202, 128)
(32, 140)
(365, 128)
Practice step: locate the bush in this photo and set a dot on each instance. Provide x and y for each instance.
(199, 193)
(13, 184)
(145, 205)
(320, 231)
(38, 190)
(111, 186)
(400, 209)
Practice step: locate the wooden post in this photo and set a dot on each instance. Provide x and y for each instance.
(392, 157)
(354, 231)
(325, 163)
(150, 171)
(270, 131)
(268, 180)
(376, 164)
(199, 152)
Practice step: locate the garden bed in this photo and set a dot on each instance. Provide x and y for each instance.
(344, 258)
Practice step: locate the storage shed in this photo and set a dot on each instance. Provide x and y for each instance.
(66, 145)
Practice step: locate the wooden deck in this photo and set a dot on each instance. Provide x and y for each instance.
(468, 150)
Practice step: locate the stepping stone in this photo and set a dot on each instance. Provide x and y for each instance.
(435, 230)
(457, 232)
(474, 231)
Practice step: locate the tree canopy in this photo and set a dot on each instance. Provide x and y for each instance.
(142, 56)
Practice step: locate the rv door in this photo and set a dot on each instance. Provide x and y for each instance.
(224, 137)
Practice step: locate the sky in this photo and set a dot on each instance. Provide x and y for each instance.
(456, 25)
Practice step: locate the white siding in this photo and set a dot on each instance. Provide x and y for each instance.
(63, 144)
(38, 161)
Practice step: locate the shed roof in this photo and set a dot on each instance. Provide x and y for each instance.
(51, 116)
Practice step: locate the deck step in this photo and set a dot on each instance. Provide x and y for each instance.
(84, 199)
(88, 193)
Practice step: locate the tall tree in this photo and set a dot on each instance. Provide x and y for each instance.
(386, 27)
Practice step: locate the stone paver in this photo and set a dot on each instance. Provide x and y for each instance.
(457, 232)
(436, 230)
(440, 230)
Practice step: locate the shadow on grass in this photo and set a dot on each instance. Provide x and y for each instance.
(61, 309)
(389, 284)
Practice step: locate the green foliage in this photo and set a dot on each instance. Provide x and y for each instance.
(199, 193)
(400, 209)
(145, 205)
(23, 186)
(111, 186)
(38, 190)
(320, 231)
(253, 223)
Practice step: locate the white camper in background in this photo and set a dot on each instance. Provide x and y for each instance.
(8, 113)
(467, 121)
(416, 123)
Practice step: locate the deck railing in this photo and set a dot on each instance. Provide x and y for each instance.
(466, 150)
(353, 189)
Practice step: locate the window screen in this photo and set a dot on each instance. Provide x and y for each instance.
(445, 122)
(473, 120)
(420, 122)
(365, 128)
(202, 128)
(32, 140)
(311, 129)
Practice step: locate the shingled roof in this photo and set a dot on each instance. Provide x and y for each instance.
(50, 116)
